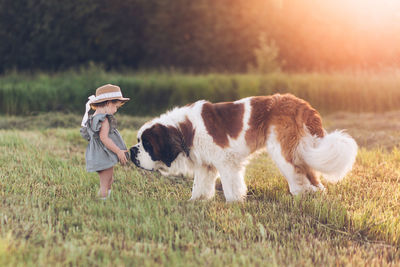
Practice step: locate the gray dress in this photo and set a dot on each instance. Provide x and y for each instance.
(98, 157)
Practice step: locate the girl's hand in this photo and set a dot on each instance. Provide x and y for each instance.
(122, 157)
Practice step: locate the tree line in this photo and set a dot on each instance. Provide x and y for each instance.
(193, 36)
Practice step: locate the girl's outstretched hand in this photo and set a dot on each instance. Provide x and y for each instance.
(122, 157)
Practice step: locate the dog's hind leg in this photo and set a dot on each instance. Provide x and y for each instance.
(204, 183)
(296, 177)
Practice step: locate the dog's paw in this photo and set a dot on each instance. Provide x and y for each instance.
(308, 189)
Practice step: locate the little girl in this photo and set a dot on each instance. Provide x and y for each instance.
(106, 146)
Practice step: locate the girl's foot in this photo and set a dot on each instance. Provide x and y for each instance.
(102, 197)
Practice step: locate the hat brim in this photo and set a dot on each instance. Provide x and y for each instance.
(123, 99)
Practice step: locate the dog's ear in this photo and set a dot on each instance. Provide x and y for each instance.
(172, 145)
(180, 140)
(166, 143)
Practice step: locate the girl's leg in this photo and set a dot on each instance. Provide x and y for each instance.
(110, 184)
(105, 181)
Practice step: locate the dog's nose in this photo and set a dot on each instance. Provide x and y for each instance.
(134, 150)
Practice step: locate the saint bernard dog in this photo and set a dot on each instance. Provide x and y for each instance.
(207, 140)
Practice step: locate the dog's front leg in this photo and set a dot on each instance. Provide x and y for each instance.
(232, 179)
(204, 182)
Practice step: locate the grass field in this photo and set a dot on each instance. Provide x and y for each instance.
(154, 92)
(49, 214)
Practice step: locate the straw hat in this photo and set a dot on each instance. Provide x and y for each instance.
(108, 92)
(103, 93)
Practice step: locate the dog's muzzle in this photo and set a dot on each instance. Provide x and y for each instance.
(134, 150)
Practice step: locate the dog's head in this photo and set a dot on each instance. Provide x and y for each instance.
(159, 145)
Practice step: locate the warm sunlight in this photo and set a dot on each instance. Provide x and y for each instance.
(376, 13)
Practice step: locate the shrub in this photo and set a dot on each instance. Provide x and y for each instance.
(153, 93)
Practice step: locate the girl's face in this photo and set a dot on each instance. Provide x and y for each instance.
(112, 107)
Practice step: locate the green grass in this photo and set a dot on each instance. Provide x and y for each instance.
(49, 213)
(153, 93)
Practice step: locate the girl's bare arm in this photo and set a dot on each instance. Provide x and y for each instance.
(105, 128)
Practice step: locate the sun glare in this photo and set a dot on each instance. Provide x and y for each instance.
(374, 12)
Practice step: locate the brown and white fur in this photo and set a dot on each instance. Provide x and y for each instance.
(205, 140)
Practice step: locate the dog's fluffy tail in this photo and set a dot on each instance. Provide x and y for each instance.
(332, 155)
